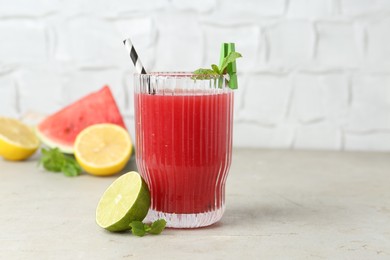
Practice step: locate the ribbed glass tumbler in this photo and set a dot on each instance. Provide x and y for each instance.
(184, 145)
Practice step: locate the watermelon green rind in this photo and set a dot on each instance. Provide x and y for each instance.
(61, 129)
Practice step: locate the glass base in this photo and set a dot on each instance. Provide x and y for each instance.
(186, 220)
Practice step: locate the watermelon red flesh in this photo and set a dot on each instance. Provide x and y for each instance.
(62, 128)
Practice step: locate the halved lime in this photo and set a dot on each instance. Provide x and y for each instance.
(125, 200)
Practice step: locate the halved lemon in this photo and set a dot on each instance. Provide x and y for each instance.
(103, 149)
(125, 200)
(17, 140)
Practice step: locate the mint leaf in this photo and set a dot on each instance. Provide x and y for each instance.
(137, 228)
(157, 227)
(147, 227)
(55, 161)
(230, 58)
(52, 160)
(70, 168)
(215, 69)
(140, 229)
(203, 74)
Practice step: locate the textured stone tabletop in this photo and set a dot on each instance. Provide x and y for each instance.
(280, 205)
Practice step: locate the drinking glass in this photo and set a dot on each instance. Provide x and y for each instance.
(184, 145)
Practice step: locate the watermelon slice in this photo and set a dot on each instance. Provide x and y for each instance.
(61, 129)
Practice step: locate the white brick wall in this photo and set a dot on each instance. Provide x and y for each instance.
(22, 41)
(315, 74)
(337, 45)
(291, 44)
(8, 97)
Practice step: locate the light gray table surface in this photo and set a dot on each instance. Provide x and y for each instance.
(280, 205)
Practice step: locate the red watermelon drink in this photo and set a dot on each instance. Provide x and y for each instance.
(184, 146)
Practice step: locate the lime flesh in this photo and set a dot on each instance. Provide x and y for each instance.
(125, 200)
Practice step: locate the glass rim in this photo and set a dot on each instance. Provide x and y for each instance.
(176, 74)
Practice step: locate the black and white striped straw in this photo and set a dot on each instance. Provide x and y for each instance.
(137, 63)
(134, 56)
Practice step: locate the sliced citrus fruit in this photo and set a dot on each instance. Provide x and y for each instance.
(125, 200)
(17, 140)
(103, 149)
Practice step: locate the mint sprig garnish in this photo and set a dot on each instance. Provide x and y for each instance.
(157, 227)
(230, 58)
(55, 161)
(216, 71)
(140, 229)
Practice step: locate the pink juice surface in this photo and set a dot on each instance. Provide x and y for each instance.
(184, 146)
